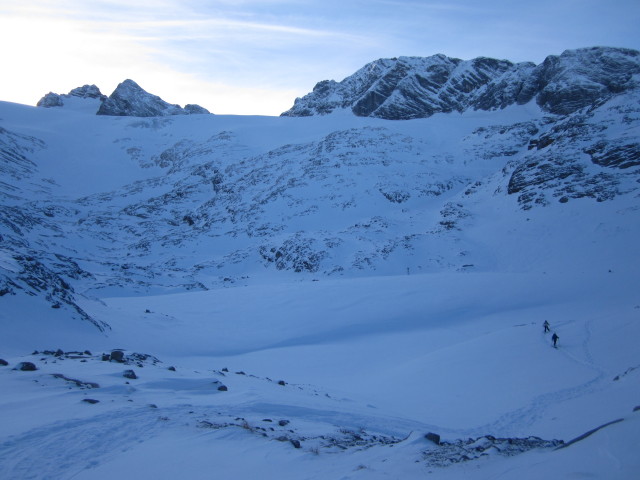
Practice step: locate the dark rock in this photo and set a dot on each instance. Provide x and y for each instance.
(636, 408)
(50, 100)
(283, 423)
(223, 388)
(194, 109)
(141, 358)
(621, 156)
(106, 357)
(3, 362)
(117, 356)
(295, 443)
(434, 437)
(396, 196)
(26, 367)
(130, 374)
(90, 400)
(459, 451)
(172, 369)
(297, 253)
(282, 382)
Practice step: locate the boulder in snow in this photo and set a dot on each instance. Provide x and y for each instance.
(26, 367)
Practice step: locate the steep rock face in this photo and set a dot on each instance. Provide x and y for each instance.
(129, 99)
(417, 87)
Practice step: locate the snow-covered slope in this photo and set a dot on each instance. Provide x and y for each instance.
(373, 280)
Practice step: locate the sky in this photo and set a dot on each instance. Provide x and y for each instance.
(254, 57)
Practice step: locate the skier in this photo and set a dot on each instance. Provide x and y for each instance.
(546, 326)
(555, 339)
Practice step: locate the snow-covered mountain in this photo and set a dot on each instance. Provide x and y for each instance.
(128, 99)
(303, 246)
(417, 87)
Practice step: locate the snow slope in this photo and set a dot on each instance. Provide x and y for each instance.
(391, 358)
(309, 297)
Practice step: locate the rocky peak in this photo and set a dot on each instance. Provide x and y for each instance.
(418, 87)
(85, 92)
(579, 78)
(51, 99)
(129, 99)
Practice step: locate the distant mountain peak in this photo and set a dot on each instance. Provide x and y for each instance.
(128, 99)
(418, 87)
(85, 92)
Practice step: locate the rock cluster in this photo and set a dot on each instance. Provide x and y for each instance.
(449, 453)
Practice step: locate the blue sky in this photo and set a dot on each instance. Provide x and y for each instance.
(256, 57)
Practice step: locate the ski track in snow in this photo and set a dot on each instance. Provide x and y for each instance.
(54, 451)
(522, 419)
(64, 449)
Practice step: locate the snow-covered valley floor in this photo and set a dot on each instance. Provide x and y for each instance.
(337, 379)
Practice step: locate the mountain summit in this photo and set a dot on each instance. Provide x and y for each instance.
(128, 100)
(418, 87)
(131, 100)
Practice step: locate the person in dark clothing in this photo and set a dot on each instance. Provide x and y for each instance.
(555, 339)
(546, 326)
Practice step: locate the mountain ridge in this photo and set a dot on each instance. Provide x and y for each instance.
(242, 199)
(417, 87)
